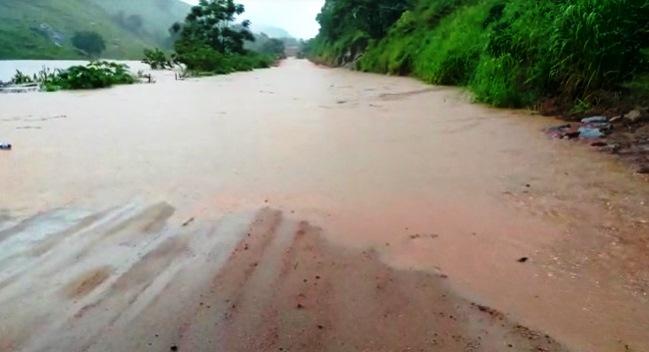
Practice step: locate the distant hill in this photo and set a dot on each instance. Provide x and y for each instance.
(272, 32)
(42, 29)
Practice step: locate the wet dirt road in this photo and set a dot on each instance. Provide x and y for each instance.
(303, 208)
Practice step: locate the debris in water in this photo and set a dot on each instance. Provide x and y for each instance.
(594, 119)
(563, 132)
(590, 133)
(188, 222)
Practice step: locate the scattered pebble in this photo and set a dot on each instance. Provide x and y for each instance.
(523, 259)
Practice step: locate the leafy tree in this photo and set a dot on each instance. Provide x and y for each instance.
(156, 58)
(210, 42)
(372, 17)
(210, 24)
(92, 43)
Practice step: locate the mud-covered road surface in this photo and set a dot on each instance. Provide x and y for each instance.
(303, 208)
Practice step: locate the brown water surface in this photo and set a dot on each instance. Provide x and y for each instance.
(302, 208)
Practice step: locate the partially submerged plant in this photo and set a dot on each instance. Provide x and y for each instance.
(157, 59)
(21, 78)
(97, 74)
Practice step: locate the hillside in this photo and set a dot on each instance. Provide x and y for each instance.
(577, 54)
(270, 31)
(42, 29)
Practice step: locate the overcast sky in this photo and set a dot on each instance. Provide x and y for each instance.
(295, 16)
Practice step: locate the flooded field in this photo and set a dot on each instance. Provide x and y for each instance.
(303, 208)
(30, 67)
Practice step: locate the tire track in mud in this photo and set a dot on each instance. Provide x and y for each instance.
(319, 297)
(249, 282)
(56, 261)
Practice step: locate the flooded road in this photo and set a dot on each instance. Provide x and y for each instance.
(304, 208)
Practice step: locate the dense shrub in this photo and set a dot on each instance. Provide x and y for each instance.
(98, 74)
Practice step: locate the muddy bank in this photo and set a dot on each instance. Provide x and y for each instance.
(119, 206)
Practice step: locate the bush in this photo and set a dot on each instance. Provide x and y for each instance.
(21, 78)
(157, 59)
(98, 74)
(206, 60)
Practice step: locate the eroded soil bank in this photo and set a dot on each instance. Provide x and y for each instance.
(305, 208)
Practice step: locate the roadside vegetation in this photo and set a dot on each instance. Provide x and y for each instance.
(580, 54)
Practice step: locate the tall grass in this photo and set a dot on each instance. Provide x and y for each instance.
(513, 53)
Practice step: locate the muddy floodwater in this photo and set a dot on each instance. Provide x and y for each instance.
(303, 208)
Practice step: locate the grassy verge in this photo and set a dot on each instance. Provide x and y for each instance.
(582, 53)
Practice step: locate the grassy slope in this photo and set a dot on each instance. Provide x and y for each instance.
(513, 53)
(19, 41)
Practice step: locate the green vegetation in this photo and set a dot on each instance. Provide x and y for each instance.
(97, 74)
(41, 29)
(157, 59)
(509, 53)
(208, 43)
(91, 43)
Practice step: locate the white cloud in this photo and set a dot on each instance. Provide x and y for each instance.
(295, 16)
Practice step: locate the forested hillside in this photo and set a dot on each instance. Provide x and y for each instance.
(43, 29)
(509, 53)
